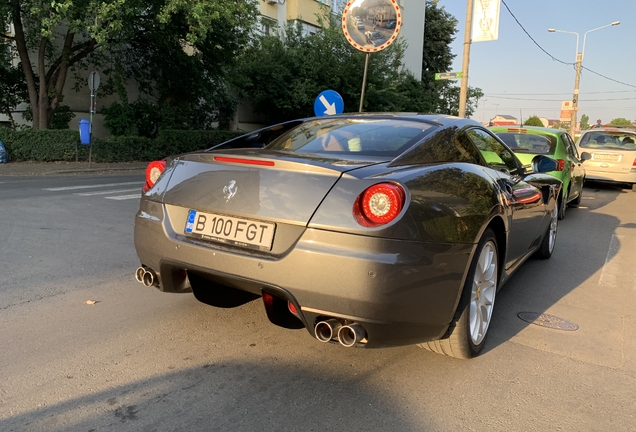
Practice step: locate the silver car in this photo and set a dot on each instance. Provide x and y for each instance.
(613, 155)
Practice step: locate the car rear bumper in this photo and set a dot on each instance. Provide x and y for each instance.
(401, 292)
(629, 177)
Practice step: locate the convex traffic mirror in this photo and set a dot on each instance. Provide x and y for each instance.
(371, 25)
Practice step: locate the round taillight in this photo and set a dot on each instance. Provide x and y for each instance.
(153, 171)
(379, 204)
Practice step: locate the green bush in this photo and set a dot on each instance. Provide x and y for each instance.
(61, 145)
(42, 145)
(182, 141)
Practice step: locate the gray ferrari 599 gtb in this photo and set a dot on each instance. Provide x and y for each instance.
(365, 229)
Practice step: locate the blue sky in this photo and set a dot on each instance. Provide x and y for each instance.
(513, 70)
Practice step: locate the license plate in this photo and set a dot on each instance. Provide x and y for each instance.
(227, 229)
(607, 157)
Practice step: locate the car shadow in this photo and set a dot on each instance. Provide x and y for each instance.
(586, 242)
(238, 396)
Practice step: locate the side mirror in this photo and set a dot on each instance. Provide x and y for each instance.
(585, 156)
(544, 164)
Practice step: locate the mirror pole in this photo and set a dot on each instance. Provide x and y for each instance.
(364, 81)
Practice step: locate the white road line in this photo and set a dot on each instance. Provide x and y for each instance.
(92, 186)
(619, 262)
(108, 192)
(124, 197)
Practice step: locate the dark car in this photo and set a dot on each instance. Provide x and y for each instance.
(364, 229)
(390, 25)
(529, 141)
(375, 38)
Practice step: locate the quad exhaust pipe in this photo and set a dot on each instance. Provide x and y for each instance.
(348, 335)
(146, 276)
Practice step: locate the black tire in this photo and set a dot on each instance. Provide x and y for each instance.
(549, 238)
(563, 205)
(458, 341)
(577, 201)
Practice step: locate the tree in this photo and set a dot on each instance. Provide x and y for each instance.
(533, 121)
(13, 90)
(62, 34)
(282, 75)
(440, 28)
(620, 122)
(448, 102)
(585, 122)
(562, 125)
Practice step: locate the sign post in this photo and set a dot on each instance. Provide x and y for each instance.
(93, 85)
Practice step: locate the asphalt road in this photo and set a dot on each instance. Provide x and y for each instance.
(142, 360)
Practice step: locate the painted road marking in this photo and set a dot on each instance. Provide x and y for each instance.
(124, 197)
(108, 192)
(92, 186)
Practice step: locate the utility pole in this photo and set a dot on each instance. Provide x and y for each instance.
(463, 91)
(575, 98)
(579, 60)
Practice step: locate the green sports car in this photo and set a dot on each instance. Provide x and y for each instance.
(529, 141)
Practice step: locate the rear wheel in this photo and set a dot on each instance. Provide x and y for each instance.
(577, 201)
(549, 238)
(467, 333)
(563, 205)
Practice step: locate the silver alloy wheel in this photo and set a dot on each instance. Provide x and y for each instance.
(482, 296)
(554, 221)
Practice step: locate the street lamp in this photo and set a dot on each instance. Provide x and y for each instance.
(579, 60)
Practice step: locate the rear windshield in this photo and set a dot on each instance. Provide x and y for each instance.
(608, 141)
(529, 143)
(351, 136)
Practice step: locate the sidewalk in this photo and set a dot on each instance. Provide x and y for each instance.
(70, 168)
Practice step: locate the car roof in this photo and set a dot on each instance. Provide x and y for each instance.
(610, 129)
(532, 129)
(438, 119)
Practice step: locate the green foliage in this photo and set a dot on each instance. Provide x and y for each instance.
(620, 122)
(60, 118)
(585, 122)
(282, 75)
(449, 100)
(41, 146)
(146, 119)
(147, 36)
(562, 125)
(13, 88)
(533, 121)
(61, 145)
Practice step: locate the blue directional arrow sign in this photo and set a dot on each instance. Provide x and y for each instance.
(328, 102)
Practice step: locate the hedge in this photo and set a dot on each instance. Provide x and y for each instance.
(62, 145)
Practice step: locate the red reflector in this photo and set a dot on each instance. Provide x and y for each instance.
(634, 164)
(561, 165)
(268, 299)
(292, 308)
(517, 130)
(153, 171)
(243, 161)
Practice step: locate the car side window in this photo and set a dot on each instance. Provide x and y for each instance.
(494, 153)
(569, 144)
